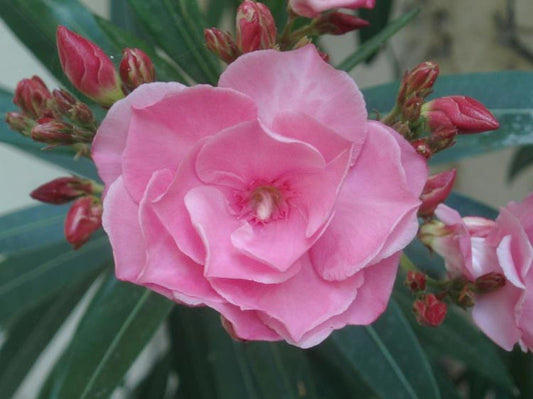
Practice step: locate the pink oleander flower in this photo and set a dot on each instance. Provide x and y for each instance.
(483, 251)
(313, 8)
(270, 198)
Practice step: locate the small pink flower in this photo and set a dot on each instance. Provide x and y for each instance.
(485, 251)
(313, 8)
(270, 198)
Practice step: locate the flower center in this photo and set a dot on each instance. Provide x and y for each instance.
(262, 203)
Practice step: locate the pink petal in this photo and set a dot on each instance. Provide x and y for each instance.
(299, 304)
(214, 223)
(110, 140)
(495, 315)
(121, 223)
(525, 318)
(300, 81)
(161, 135)
(166, 265)
(375, 213)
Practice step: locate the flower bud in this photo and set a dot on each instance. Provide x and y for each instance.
(442, 138)
(419, 81)
(78, 112)
(221, 44)
(88, 68)
(20, 123)
(256, 28)
(411, 108)
(489, 282)
(62, 190)
(436, 190)
(430, 311)
(53, 132)
(83, 219)
(135, 69)
(339, 23)
(422, 148)
(31, 96)
(466, 297)
(416, 281)
(464, 113)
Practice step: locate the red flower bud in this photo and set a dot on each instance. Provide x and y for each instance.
(88, 68)
(436, 190)
(489, 282)
(430, 311)
(20, 123)
(62, 190)
(31, 96)
(73, 109)
(339, 23)
(136, 68)
(419, 81)
(53, 132)
(83, 219)
(256, 28)
(464, 113)
(416, 281)
(442, 138)
(221, 44)
(422, 148)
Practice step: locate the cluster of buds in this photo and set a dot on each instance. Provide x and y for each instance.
(441, 119)
(255, 30)
(84, 216)
(93, 73)
(430, 310)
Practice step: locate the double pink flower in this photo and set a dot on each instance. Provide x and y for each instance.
(270, 198)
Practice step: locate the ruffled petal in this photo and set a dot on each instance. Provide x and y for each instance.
(162, 134)
(110, 140)
(300, 81)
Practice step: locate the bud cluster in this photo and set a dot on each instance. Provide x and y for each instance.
(433, 126)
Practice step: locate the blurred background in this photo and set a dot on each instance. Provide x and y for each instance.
(460, 35)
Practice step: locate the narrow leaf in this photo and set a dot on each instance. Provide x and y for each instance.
(118, 324)
(378, 17)
(372, 45)
(386, 355)
(29, 277)
(521, 160)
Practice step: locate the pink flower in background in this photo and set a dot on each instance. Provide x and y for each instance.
(312, 8)
(479, 247)
(270, 198)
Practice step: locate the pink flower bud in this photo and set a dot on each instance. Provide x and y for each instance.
(221, 44)
(62, 190)
(419, 81)
(20, 123)
(136, 68)
(430, 311)
(416, 281)
(31, 96)
(339, 23)
(256, 28)
(436, 190)
(83, 219)
(88, 68)
(464, 113)
(489, 282)
(73, 109)
(53, 132)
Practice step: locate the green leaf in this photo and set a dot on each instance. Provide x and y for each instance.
(521, 160)
(177, 27)
(34, 22)
(118, 324)
(61, 156)
(507, 94)
(31, 228)
(31, 276)
(155, 384)
(217, 8)
(386, 355)
(31, 334)
(203, 351)
(165, 71)
(378, 18)
(372, 45)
